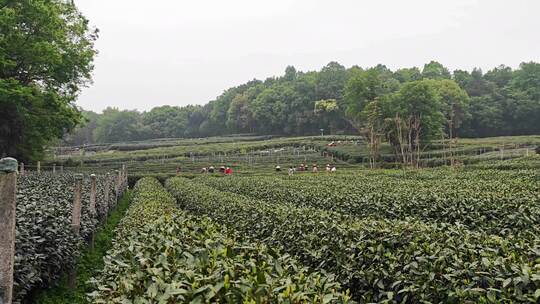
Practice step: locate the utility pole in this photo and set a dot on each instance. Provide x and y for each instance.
(8, 191)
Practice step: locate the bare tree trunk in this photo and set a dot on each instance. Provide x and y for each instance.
(410, 141)
(372, 139)
(445, 148)
(415, 150)
(451, 139)
(400, 138)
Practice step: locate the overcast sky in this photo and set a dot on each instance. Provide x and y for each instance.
(180, 52)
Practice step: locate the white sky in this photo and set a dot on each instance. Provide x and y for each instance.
(187, 52)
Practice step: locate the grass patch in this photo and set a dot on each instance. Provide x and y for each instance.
(89, 263)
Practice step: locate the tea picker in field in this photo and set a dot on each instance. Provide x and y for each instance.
(333, 170)
(178, 169)
(328, 168)
(315, 168)
(278, 168)
(203, 170)
(228, 171)
(291, 170)
(211, 169)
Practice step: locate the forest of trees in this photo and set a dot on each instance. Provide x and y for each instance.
(382, 104)
(46, 57)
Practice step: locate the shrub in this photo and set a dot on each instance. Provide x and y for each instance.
(379, 260)
(162, 254)
(45, 245)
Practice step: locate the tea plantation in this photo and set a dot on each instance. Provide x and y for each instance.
(434, 247)
(462, 234)
(45, 244)
(162, 254)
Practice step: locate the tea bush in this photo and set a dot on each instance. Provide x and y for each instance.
(379, 260)
(495, 202)
(45, 244)
(163, 255)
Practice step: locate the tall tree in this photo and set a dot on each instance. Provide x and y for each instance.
(329, 112)
(435, 70)
(116, 126)
(166, 121)
(363, 95)
(527, 79)
(500, 75)
(364, 87)
(454, 104)
(408, 74)
(331, 81)
(240, 118)
(84, 133)
(46, 54)
(418, 117)
(455, 108)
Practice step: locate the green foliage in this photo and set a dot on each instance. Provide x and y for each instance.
(379, 260)
(164, 255)
(45, 243)
(419, 105)
(89, 263)
(454, 104)
(500, 102)
(435, 70)
(331, 81)
(326, 106)
(115, 125)
(83, 134)
(504, 102)
(432, 196)
(46, 53)
(408, 74)
(240, 117)
(364, 87)
(406, 115)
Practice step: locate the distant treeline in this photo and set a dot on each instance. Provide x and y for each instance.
(501, 101)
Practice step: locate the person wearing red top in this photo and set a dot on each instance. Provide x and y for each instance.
(228, 171)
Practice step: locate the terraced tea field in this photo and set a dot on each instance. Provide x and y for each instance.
(385, 236)
(433, 235)
(465, 234)
(248, 154)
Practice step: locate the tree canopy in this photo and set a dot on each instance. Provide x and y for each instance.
(46, 54)
(46, 57)
(340, 100)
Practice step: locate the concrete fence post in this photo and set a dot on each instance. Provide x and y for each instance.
(123, 181)
(8, 194)
(126, 180)
(93, 193)
(38, 167)
(61, 169)
(21, 170)
(117, 186)
(93, 211)
(107, 188)
(54, 168)
(75, 223)
(76, 211)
